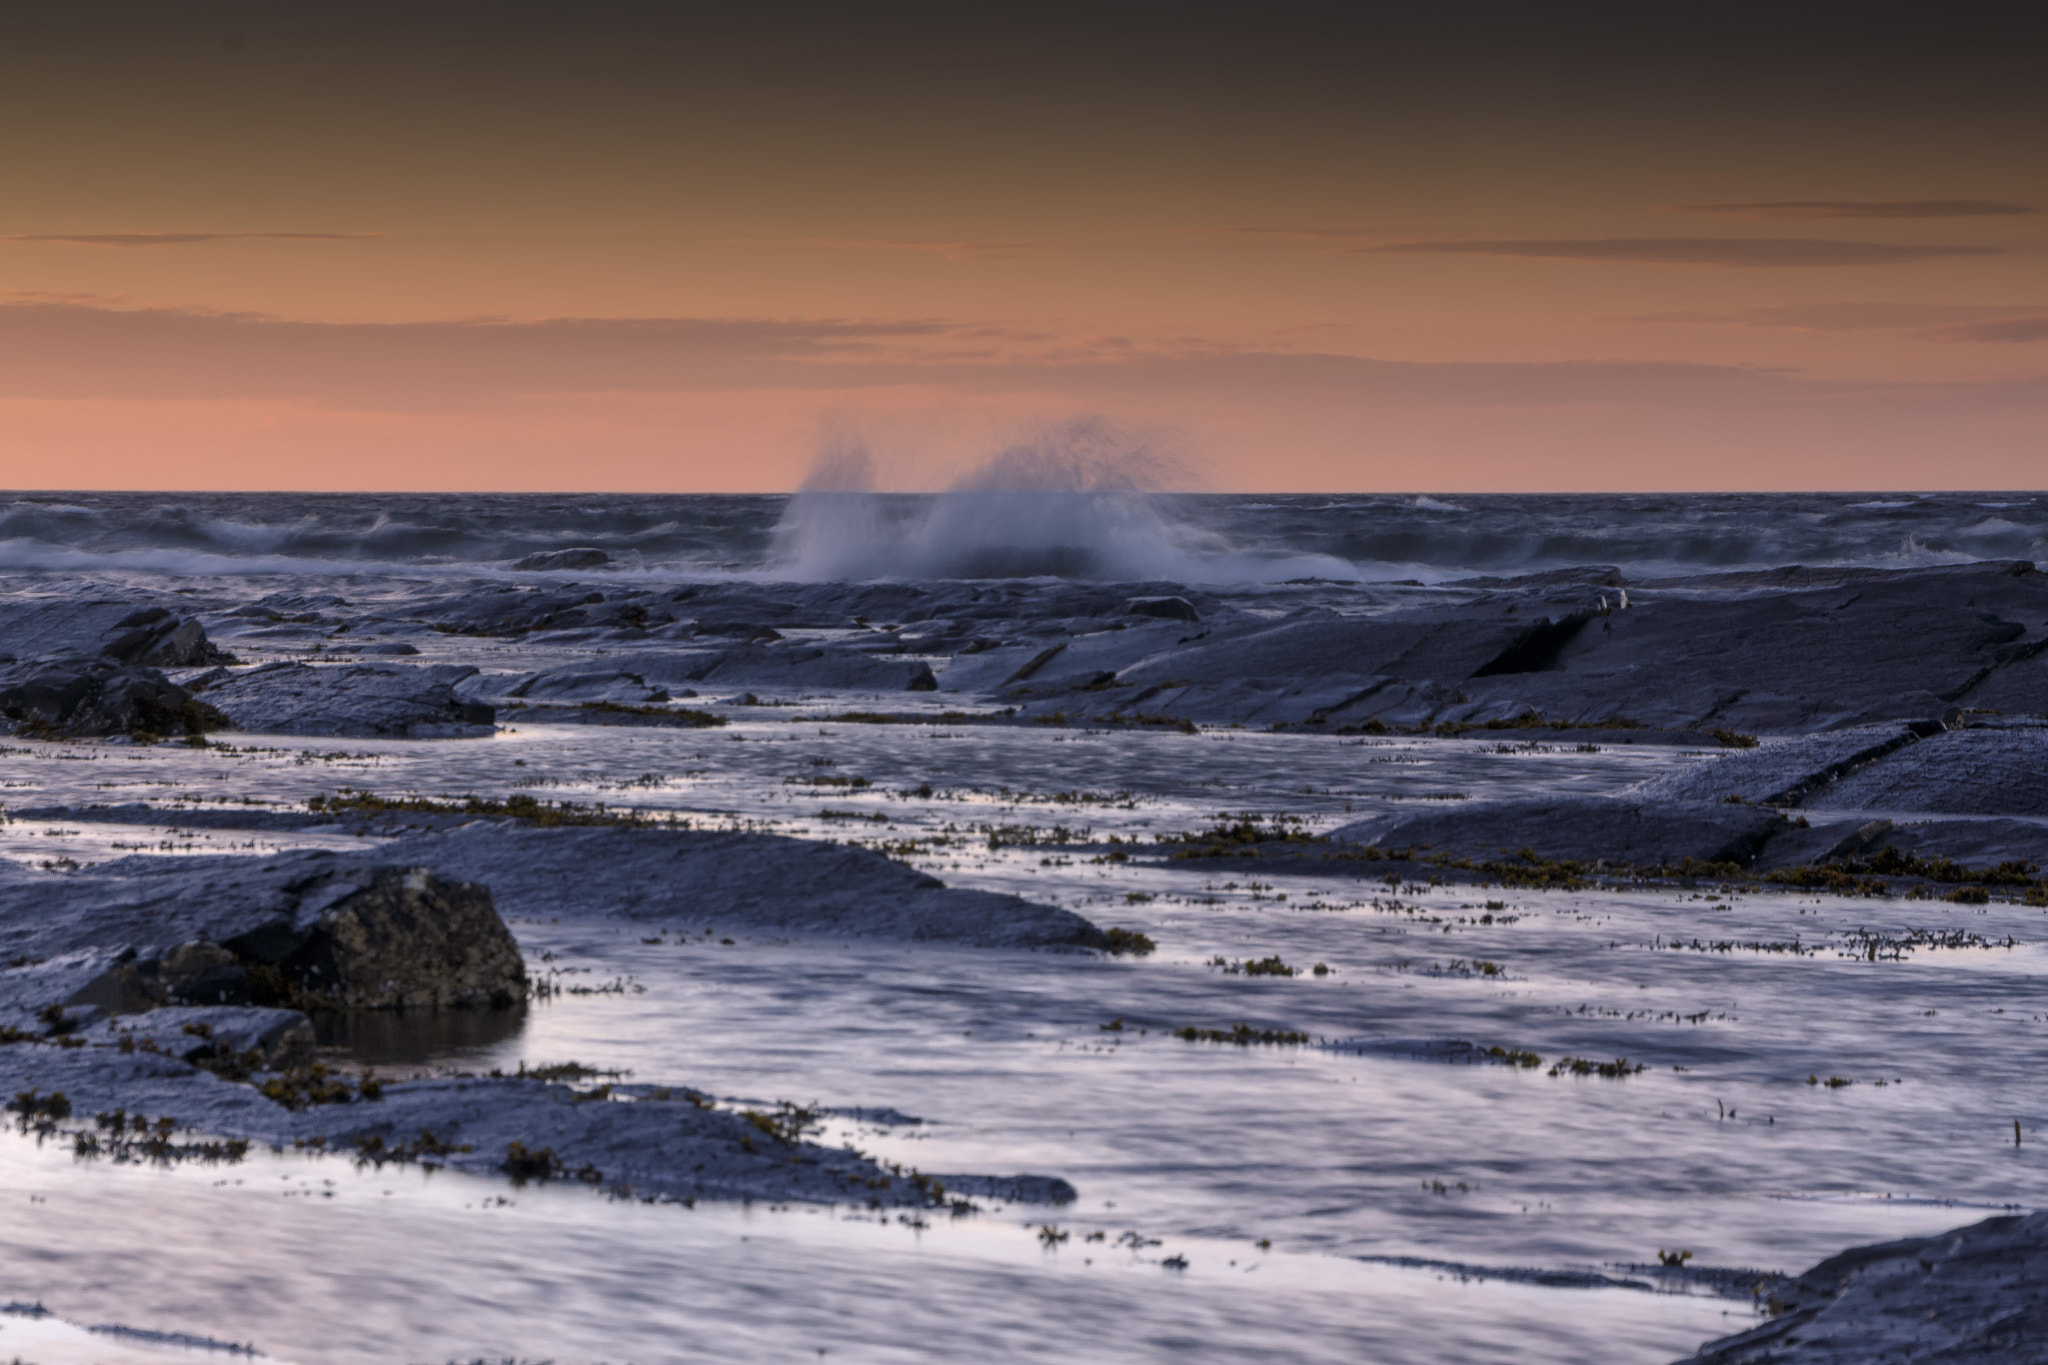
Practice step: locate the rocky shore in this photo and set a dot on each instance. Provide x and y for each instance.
(1880, 733)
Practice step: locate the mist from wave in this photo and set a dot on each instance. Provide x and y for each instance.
(1083, 500)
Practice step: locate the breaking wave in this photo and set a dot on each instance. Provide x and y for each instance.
(1083, 500)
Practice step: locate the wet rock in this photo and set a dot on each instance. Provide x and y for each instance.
(577, 684)
(1826, 842)
(1973, 1296)
(578, 557)
(367, 700)
(746, 882)
(1789, 772)
(72, 696)
(650, 1141)
(1975, 842)
(140, 933)
(1580, 829)
(268, 1038)
(795, 666)
(139, 636)
(1166, 608)
(1958, 772)
(405, 939)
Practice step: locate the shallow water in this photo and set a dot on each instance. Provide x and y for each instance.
(1720, 1146)
(316, 1261)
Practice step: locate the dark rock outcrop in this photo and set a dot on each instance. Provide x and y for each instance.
(73, 696)
(401, 938)
(1972, 1296)
(142, 933)
(72, 669)
(406, 939)
(138, 636)
(364, 700)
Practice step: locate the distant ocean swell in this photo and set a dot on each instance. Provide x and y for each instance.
(1079, 532)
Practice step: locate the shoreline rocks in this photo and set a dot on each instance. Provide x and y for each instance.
(1970, 1296)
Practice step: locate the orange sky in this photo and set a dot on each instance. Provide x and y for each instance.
(536, 246)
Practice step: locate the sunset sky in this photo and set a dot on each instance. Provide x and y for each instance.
(1445, 247)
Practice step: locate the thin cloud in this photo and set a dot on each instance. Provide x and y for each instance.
(1836, 317)
(1764, 252)
(2006, 331)
(1862, 208)
(974, 250)
(68, 351)
(1307, 234)
(182, 238)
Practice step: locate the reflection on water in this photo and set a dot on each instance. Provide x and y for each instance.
(320, 1262)
(1720, 1147)
(415, 1037)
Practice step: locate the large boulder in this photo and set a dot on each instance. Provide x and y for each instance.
(306, 929)
(406, 939)
(359, 700)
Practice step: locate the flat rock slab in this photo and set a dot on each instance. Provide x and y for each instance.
(357, 700)
(757, 883)
(1974, 1296)
(647, 1140)
(276, 1037)
(1579, 829)
(1960, 772)
(81, 935)
(1785, 772)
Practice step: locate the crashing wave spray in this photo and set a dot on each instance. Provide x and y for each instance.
(1074, 501)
